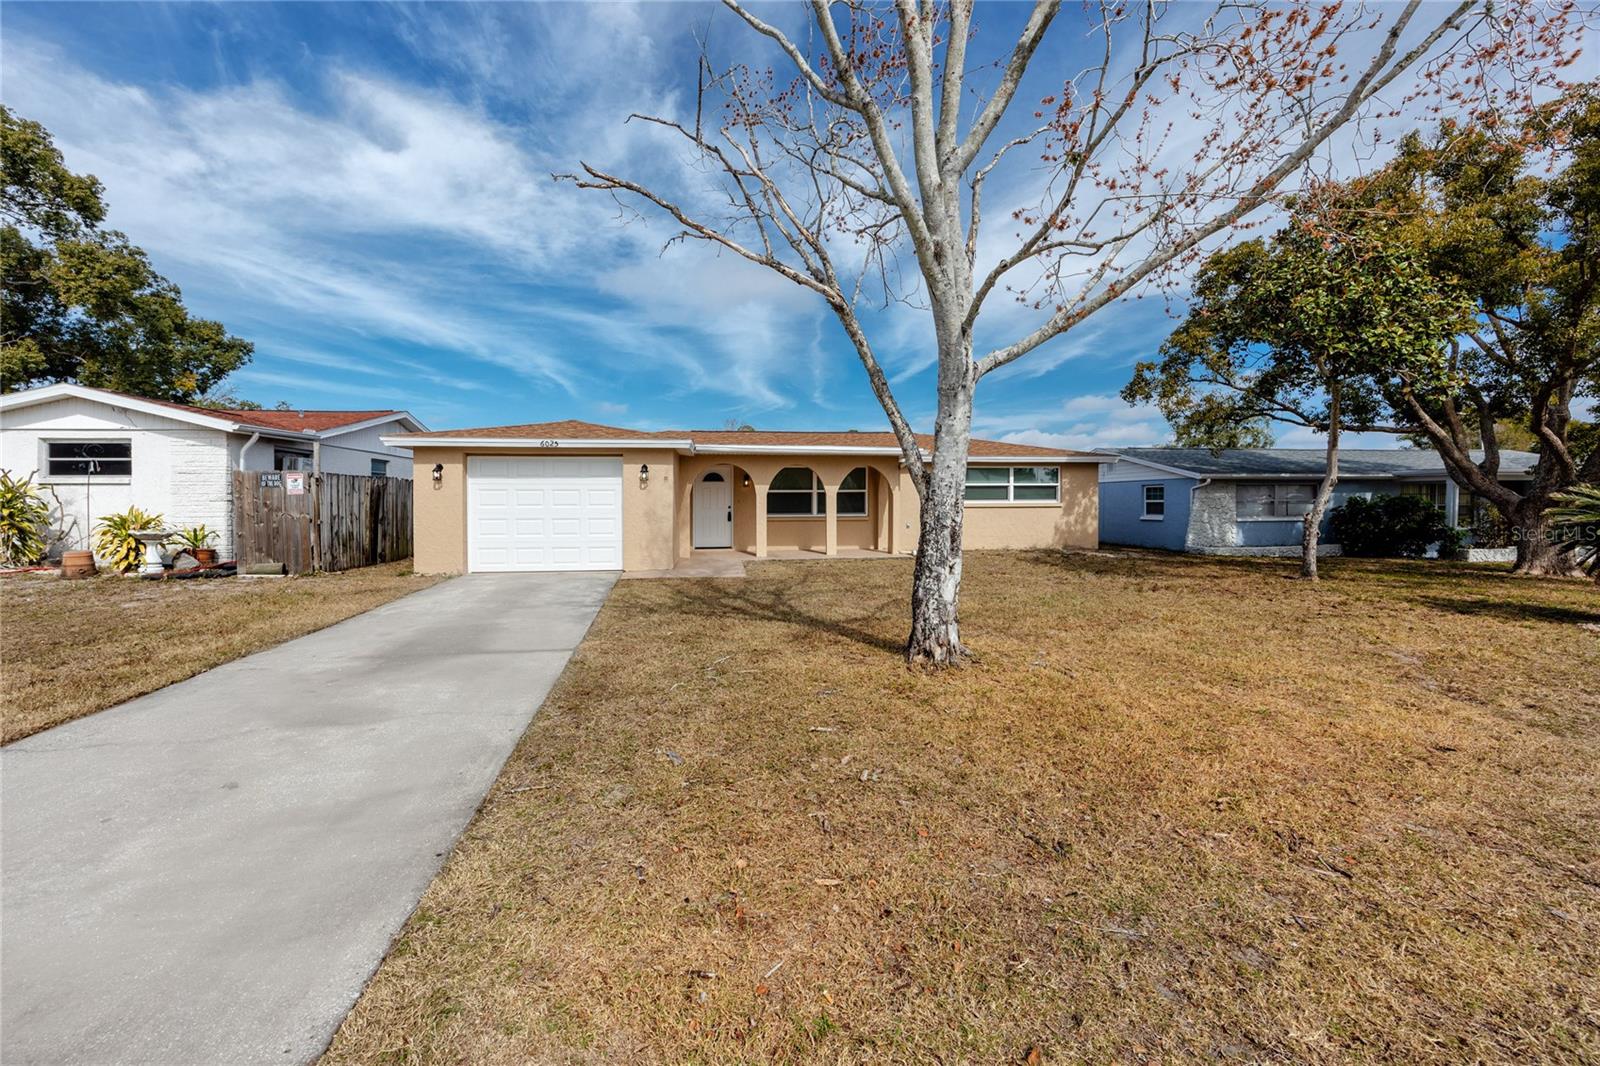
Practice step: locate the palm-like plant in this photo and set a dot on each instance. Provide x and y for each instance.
(24, 521)
(195, 537)
(114, 539)
(1576, 520)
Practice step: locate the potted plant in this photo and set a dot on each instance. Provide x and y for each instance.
(196, 540)
(116, 538)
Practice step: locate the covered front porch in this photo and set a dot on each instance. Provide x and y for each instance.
(792, 506)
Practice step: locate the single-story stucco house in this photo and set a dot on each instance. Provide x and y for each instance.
(1250, 501)
(102, 451)
(579, 496)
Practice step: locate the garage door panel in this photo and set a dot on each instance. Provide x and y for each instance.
(543, 513)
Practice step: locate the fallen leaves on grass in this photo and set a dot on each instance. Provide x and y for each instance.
(1221, 825)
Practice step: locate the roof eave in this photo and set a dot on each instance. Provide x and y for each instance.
(367, 423)
(424, 441)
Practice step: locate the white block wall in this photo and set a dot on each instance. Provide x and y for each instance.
(179, 470)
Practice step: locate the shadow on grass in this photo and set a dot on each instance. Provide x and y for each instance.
(1516, 612)
(723, 601)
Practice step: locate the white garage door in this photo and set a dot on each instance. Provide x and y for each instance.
(528, 512)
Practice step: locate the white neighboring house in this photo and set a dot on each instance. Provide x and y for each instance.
(104, 451)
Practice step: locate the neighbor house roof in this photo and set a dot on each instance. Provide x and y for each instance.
(572, 433)
(308, 423)
(1311, 462)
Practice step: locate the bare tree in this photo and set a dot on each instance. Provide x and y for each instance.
(1185, 123)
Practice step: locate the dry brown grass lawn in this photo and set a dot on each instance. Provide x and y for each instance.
(1182, 808)
(70, 648)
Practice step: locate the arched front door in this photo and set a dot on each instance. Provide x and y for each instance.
(713, 511)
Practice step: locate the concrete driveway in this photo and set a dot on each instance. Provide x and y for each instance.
(209, 874)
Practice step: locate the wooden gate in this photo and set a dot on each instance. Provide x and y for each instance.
(365, 520)
(338, 521)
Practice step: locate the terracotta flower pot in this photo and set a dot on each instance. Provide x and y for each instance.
(77, 564)
(204, 556)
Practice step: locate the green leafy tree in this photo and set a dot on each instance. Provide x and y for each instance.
(82, 303)
(1508, 218)
(1294, 330)
(1216, 428)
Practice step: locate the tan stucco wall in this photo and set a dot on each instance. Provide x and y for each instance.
(657, 518)
(440, 508)
(1072, 523)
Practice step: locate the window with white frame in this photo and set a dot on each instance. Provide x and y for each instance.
(1273, 499)
(89, 458)
(380, 468)
(1013, 484)
(1155, 501)
(797, 492)
(290, 459)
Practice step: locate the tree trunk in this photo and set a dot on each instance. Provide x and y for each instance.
(1538, 555)
(1312, 533)
(935, 638)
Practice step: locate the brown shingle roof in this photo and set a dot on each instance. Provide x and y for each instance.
(290, 420)
(567, 429)
(316, 420)
(800, 440)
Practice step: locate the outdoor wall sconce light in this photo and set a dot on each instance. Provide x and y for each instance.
(438, 472)
(746, 481)
(644, 474)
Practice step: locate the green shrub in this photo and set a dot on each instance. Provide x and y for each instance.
(1388, 527)
(24, 521)
(114, 540)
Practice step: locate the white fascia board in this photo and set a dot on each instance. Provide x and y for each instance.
(1310, 474)
(67, 390)
(532, 442)
(793, 449)
(246, 429)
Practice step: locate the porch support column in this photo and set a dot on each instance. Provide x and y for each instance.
(830, 521)
(761, 516)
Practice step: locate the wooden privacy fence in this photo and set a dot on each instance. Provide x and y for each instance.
(313, 522)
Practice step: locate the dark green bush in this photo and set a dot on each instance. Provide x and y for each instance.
(1388, 526)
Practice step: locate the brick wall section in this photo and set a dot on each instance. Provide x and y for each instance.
(200, 484)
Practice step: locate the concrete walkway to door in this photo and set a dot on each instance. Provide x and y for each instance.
(210, 873)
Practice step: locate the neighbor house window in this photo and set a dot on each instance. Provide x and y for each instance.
(1432, 491)
(1155, 501)
(380, 468)
(89, 458)
(798, 491)
(289, 459)
(1016, 484)
(1276, 500)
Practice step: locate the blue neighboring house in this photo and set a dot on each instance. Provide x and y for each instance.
(1250, 501)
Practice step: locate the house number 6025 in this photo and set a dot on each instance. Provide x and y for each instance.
(549, 444)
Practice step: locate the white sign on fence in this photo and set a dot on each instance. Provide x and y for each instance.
(294, 482)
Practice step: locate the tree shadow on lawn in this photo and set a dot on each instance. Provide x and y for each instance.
(767, 601)
(1513, 611)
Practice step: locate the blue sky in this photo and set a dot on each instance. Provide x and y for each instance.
(364, 191)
